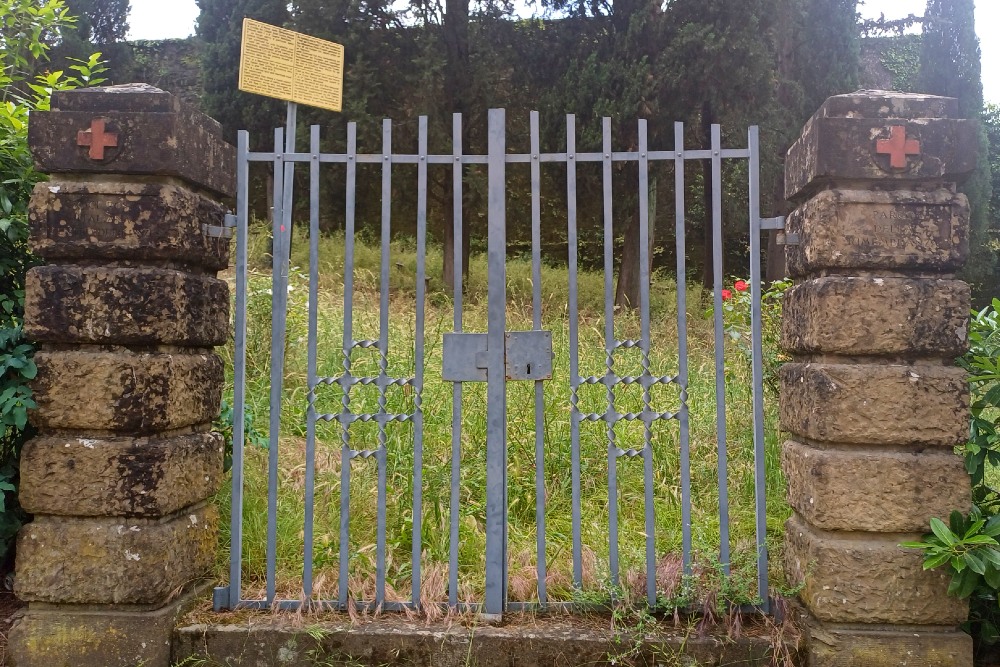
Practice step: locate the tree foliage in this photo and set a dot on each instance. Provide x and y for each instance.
(100, 22)
(950, 65)
(697, 61)
(220, 27)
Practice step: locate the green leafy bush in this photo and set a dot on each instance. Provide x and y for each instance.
(736, 304)
(27, 29)
(968, 546)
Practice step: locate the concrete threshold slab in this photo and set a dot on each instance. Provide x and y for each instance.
(524, 641)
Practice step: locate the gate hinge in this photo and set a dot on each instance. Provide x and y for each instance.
(778, 223)
(225, 232)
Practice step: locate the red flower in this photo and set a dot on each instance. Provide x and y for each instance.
(726, 295)
(741, 286)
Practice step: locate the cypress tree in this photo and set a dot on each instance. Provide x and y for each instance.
(950, 65)
(220, 27)
(101, 21)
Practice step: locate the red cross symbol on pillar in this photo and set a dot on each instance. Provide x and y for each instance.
(97, 138)
(897, 147)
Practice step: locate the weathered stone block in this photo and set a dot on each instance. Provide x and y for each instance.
(115, 221)
(875, 404)
(125, 306)
(877, 316)
(154, 133)
(832, 488)
(147, 477)
(114, 560)
(853, 647)
(135, 393)
(887, 104)
(69, 636)
(847, 141)
(867, 578)
(872, 230)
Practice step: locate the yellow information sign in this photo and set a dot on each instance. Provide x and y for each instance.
(275, 62)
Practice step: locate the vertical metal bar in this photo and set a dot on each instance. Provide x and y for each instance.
(383, 348)
(277, 364)
(760, 473)
(418, 376)
(496, 392)
(536, 297)
(574, 360)
(682, 351)
(456, 396)
(609, 353)
(307, 564)
(348, 346)
(647, 451)
(720, 358)
(239, 368)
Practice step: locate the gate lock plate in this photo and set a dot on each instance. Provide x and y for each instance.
(527, 356)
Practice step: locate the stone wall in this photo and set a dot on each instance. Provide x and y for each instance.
(872, 399)
(126, 310)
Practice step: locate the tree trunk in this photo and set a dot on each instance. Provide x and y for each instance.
(627, 292)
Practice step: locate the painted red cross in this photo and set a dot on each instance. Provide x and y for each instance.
(97, 138)
(897, 147)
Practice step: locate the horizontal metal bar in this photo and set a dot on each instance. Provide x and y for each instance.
(377, 417)
(614, 417)
(773, 223)
(510, 158)
(215, 232)
(615, 380)
(462, 607)
(352, 381)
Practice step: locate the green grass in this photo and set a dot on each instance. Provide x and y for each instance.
(437, 405)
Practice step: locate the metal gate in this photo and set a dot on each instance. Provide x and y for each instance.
(497, 356)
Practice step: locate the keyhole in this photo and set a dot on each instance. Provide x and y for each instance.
(529, 369)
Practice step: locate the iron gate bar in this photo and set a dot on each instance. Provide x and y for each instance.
(647, 451)
(383, 359)
(574, 361)
(682, 347)
(753, 141)
(496, 389)
(314, 232)
(347, 350)
(720, 361)
(239, 368)
(496, 437)
(609, 350)
(418, 371)
(536, 320)
(456, 404)
(277, 360)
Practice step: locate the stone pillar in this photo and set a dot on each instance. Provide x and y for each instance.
(873, 401)
(126, 310)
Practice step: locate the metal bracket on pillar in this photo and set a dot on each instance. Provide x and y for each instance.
(778, 223)
(225, 232)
